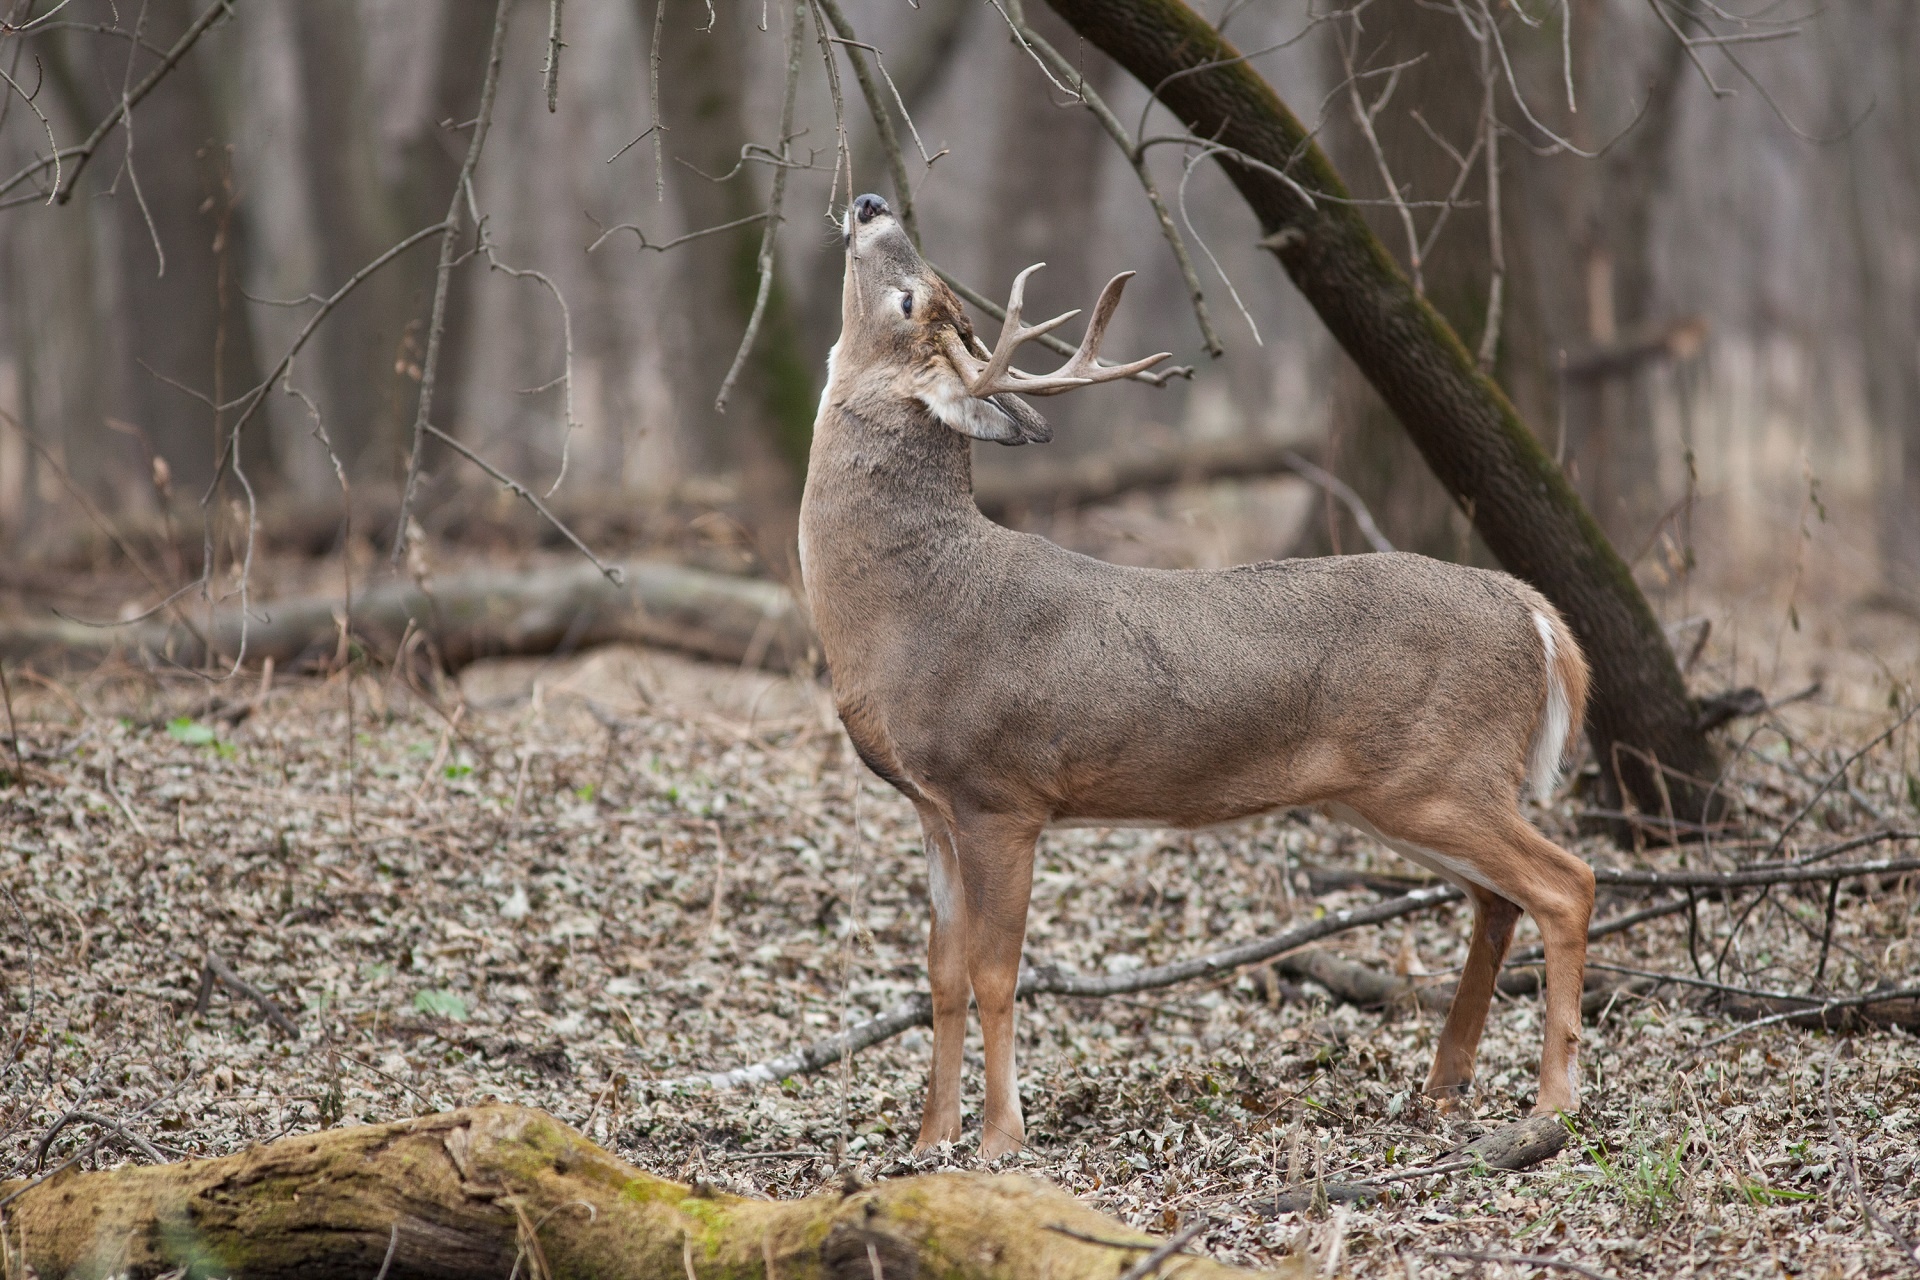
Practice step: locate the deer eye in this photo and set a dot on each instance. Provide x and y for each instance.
(906, 305)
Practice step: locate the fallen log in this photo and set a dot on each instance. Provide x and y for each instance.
(493, 1189)
(476, 614)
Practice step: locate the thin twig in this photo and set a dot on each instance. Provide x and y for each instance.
(612, 572)
(917, 1010)
(1364, 116)
(1843, 1143)
(1824, 1007)
(216, 969)
(1076, 84)
(1157, 1259)
(1342, 490)
(882, 121)
(677, 240)
(769, 233)
(85, 151)
(484, 245)
(436, 328)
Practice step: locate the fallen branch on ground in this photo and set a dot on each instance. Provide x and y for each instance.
(474, 1192)
(917, 1010)
(1520, 1145)
(217, 970)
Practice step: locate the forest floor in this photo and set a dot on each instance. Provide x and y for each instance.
(550, 882)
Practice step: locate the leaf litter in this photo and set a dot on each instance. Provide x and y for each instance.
(552, 882)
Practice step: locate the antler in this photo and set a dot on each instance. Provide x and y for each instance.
(996, 374)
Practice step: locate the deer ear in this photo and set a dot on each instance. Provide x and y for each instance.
(1003, 419)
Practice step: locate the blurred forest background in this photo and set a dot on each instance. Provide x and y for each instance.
(1714, 324)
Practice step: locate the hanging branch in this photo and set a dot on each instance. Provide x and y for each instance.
(443, 279)
(1057, 65)
(769, 233)
(83, 153)
(882, 121)
(554, 45)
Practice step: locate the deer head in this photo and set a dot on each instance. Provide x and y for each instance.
(901, 321)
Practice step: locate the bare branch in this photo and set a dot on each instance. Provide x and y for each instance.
(485, 246)
(436, 329)
(554, 45)
(771, 231)
(677, 240)
(882, 121)
(1364, 115)
(249, 404)
(612, 572)
(45, 123)
(1037, 44)
(85, 151)
(653, 101)
(843, 153)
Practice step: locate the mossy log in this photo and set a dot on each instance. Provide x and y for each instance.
(476, 1192)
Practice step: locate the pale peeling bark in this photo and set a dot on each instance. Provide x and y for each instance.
(473, 1192)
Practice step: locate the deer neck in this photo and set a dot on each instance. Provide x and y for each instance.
(887, 512)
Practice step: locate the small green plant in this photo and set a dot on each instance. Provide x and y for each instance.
(1758, 1194)
(194, 734)
(585, 793)
(1647, 1179)
(458, 770)
(441, 1004)
(190, 731)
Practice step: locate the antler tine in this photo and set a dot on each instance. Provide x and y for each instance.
(997, 375)
(1083, 368)
(1012, 334)
(1087, 357)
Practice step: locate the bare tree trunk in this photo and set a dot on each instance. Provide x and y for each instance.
(1368, 447)
(1880, 192)
(364, 393)
(180, 250)
(1643, 722)
(763, 436)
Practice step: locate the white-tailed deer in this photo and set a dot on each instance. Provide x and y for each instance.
(1004, 684)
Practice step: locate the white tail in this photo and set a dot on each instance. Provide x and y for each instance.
(1003, 684)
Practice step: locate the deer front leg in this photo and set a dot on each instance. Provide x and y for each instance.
(996, 866)
(1452, 1074)
(947, 977)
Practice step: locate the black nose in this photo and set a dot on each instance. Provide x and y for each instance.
(867, 208)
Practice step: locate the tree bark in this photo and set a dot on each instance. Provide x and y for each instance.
(486, 1190)
(1464, 425)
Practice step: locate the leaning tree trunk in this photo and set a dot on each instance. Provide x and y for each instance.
(495, 1189)
(1463, 423)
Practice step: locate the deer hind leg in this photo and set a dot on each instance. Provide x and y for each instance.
(947, 976)
(1502, 856)
(996, 871)
(1493, 921)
